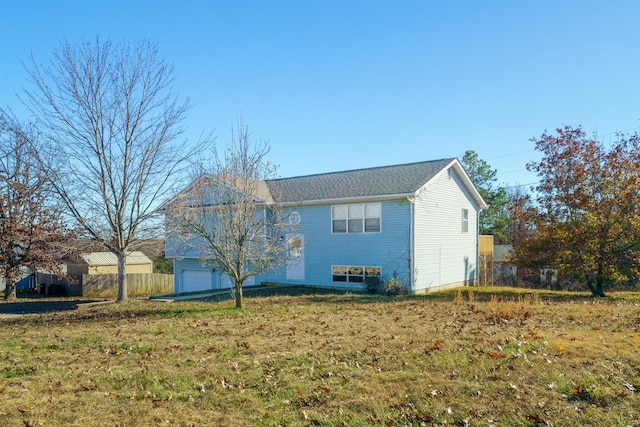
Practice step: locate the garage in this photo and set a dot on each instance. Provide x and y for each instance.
(196, 280)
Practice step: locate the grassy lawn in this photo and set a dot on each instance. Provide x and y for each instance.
(473, 358)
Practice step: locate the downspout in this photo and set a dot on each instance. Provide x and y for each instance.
(411, 245)
(477, 278)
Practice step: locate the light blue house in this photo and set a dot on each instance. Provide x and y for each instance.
(416, 222)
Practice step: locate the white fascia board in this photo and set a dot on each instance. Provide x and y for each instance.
(360, 199)
(466, 181)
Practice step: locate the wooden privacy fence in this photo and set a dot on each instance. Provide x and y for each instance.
(485, 251)
(106, 285)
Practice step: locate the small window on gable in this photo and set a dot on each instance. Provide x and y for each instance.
(465, 220)
(294, 218)
(450, 173)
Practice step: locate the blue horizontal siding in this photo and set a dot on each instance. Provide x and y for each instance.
(388, 249)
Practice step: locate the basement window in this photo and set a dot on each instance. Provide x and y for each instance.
(353, 274)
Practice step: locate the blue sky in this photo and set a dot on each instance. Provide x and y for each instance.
(336, 85)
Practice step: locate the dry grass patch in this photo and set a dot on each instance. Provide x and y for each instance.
(464, 359)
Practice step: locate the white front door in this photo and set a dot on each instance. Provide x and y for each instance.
(295, 257)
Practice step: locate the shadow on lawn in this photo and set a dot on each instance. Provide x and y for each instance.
(12, 308)
(310, 293)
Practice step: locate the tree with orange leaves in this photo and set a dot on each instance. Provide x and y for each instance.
(586, 222)
(32, 233)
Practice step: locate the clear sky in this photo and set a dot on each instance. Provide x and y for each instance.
(343, 84)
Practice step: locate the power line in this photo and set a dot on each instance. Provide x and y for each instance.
(512, 154)
(514, 171)
(615, 132)
(522, 185)
(599, 135)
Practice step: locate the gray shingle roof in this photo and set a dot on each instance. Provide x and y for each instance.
(378, 181)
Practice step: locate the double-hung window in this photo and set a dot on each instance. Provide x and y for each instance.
(372, 217)
(465, 220)
(356, 218)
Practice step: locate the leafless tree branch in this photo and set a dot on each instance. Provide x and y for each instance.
(113, 127)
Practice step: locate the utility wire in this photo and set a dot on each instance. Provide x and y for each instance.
(521, 185)
(512, 154)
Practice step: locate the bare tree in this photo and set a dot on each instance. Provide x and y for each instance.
(229, 217)
(32, 234)
(113, 125)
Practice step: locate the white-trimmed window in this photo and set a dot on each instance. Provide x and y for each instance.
(294, 218)
(465, 220)
(353, 274)
(356, 218)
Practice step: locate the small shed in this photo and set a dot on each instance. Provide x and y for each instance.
(107, 263)
(505, 271)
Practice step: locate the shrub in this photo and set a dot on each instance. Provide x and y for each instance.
(394, 286)
(372, 284)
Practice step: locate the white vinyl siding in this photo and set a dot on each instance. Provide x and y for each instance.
(444, 256)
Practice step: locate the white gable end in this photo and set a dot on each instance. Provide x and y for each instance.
(445, 243)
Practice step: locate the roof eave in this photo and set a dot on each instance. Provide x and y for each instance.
(470, 186)
(473, 191)
(374, 198)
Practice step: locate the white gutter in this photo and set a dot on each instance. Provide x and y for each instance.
(476, 280)
(411, 243)
(346, 200)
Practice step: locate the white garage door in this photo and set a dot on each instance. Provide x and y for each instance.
(196, 280)
(226, 281)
